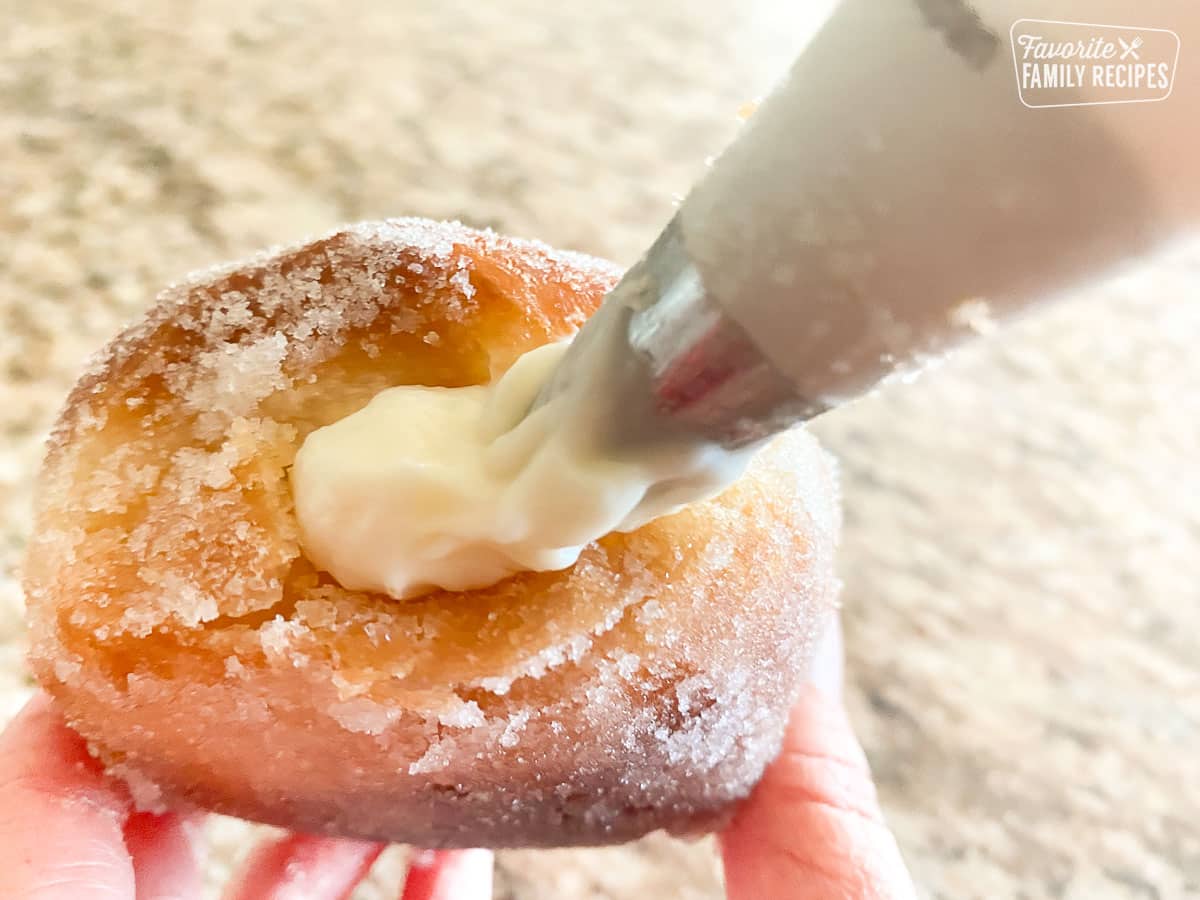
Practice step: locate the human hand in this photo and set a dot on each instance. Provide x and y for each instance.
(69, 833)
(811, 829)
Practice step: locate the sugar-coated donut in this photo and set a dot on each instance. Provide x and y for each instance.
(176, 620)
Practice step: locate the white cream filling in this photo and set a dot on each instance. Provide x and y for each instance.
(428, 487)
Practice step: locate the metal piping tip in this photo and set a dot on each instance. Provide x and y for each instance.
(673, 364)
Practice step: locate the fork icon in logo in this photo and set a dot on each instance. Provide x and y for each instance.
(1130, 48)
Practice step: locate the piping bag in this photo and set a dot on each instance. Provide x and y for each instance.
(893, 196)
(890, 198)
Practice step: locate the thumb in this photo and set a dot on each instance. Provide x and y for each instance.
(60, 818)
(812, 828)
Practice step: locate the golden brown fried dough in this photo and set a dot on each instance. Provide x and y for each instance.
(177, 621)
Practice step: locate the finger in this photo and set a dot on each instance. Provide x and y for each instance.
(60, 817)
(164, 850)
(813, 828)
(449, 875)
(304, 867)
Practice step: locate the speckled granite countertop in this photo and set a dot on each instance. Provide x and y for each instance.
(1022, 595)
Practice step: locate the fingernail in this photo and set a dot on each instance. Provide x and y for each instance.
(449, 875)
(826, 670)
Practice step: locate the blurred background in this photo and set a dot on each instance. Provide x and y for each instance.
(1022, 591)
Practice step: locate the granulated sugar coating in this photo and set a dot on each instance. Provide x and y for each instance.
(185, 635)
